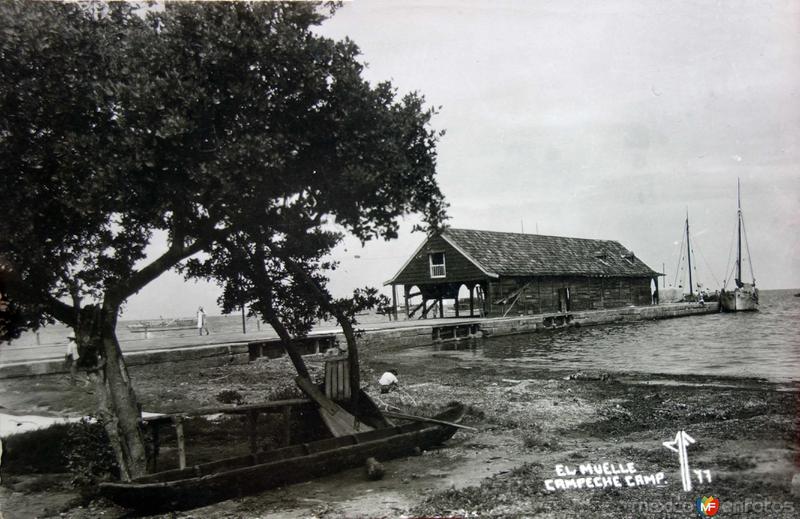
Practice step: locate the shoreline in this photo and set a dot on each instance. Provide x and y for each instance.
(374, 335)
(529, 422)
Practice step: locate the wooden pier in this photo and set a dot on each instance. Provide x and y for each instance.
(388, 334)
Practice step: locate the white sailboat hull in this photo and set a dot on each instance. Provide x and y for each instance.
(744, 299)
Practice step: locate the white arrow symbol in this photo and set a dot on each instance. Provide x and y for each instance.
(679, 444)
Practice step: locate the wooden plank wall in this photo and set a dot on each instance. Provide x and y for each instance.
(457, 267)
(542, 296)
(337, 378)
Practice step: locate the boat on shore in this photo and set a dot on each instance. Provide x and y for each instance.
(744, 297)
(200, 485)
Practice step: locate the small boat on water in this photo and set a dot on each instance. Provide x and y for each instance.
(744, 297)
(675, 293)
(163, 325)
(180, 489)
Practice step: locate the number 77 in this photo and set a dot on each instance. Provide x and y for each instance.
(699, 474)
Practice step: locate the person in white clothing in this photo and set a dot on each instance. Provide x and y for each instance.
(201, 322)
(71, 358)
(388, 381)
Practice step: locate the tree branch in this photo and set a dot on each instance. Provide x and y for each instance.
(176, 253)
(74, 290)
(24, 293)
(261, 280)
(325, 300)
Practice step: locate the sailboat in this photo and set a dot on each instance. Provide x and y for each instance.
(745, 296)
(675, 293)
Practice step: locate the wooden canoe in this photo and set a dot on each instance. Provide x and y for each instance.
(200, 485)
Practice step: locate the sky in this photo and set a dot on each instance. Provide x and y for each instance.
(605, 120)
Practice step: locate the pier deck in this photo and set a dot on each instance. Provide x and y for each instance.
(46, 359)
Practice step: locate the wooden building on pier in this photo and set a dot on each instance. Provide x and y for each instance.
(505, 273)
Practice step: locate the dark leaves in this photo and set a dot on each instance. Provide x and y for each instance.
(232, 124)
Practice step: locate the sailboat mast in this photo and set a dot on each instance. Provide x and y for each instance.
(739, 235)
(689, 254)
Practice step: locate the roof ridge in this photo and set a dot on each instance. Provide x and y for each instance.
(531, 234)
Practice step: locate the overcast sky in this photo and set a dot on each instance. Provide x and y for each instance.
(589, 119)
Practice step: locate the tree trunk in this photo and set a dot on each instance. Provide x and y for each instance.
(286, 341)
(352, 355)
(262, 281)
(117, 404)
(324, 299)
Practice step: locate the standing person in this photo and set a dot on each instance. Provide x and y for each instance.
(71, 358)
(201, 321)
(388, 381)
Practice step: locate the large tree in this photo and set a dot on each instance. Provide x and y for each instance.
(205, 124)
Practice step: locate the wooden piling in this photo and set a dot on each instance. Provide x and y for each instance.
(178, 421)
(156, 445)
(252, 429)
(287, 424)
(471, 301)
(394, 303)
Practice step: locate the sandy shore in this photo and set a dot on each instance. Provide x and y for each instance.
(535, 427)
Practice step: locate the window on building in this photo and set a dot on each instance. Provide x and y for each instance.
(436, 260)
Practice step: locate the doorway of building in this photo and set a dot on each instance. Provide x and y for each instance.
(563, 300)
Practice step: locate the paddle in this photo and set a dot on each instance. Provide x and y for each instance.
(413, 402)
(339, 421)
(413, 418)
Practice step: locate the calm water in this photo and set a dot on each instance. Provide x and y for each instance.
(758, 344)
(218, 324)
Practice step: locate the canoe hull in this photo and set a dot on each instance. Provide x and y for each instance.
(315, 459)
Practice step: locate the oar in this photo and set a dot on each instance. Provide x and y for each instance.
(339, 421)
(385, 405)
(413, 418)
(413, 402)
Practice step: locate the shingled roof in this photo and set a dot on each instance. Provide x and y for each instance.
(515, 254)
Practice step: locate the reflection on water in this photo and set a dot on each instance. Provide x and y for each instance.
(758, 344)
(457, 346)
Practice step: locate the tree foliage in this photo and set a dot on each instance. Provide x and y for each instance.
(233, 129)
(197, 120)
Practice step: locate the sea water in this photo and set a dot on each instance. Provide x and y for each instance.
(764, 344)
(749, 344)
